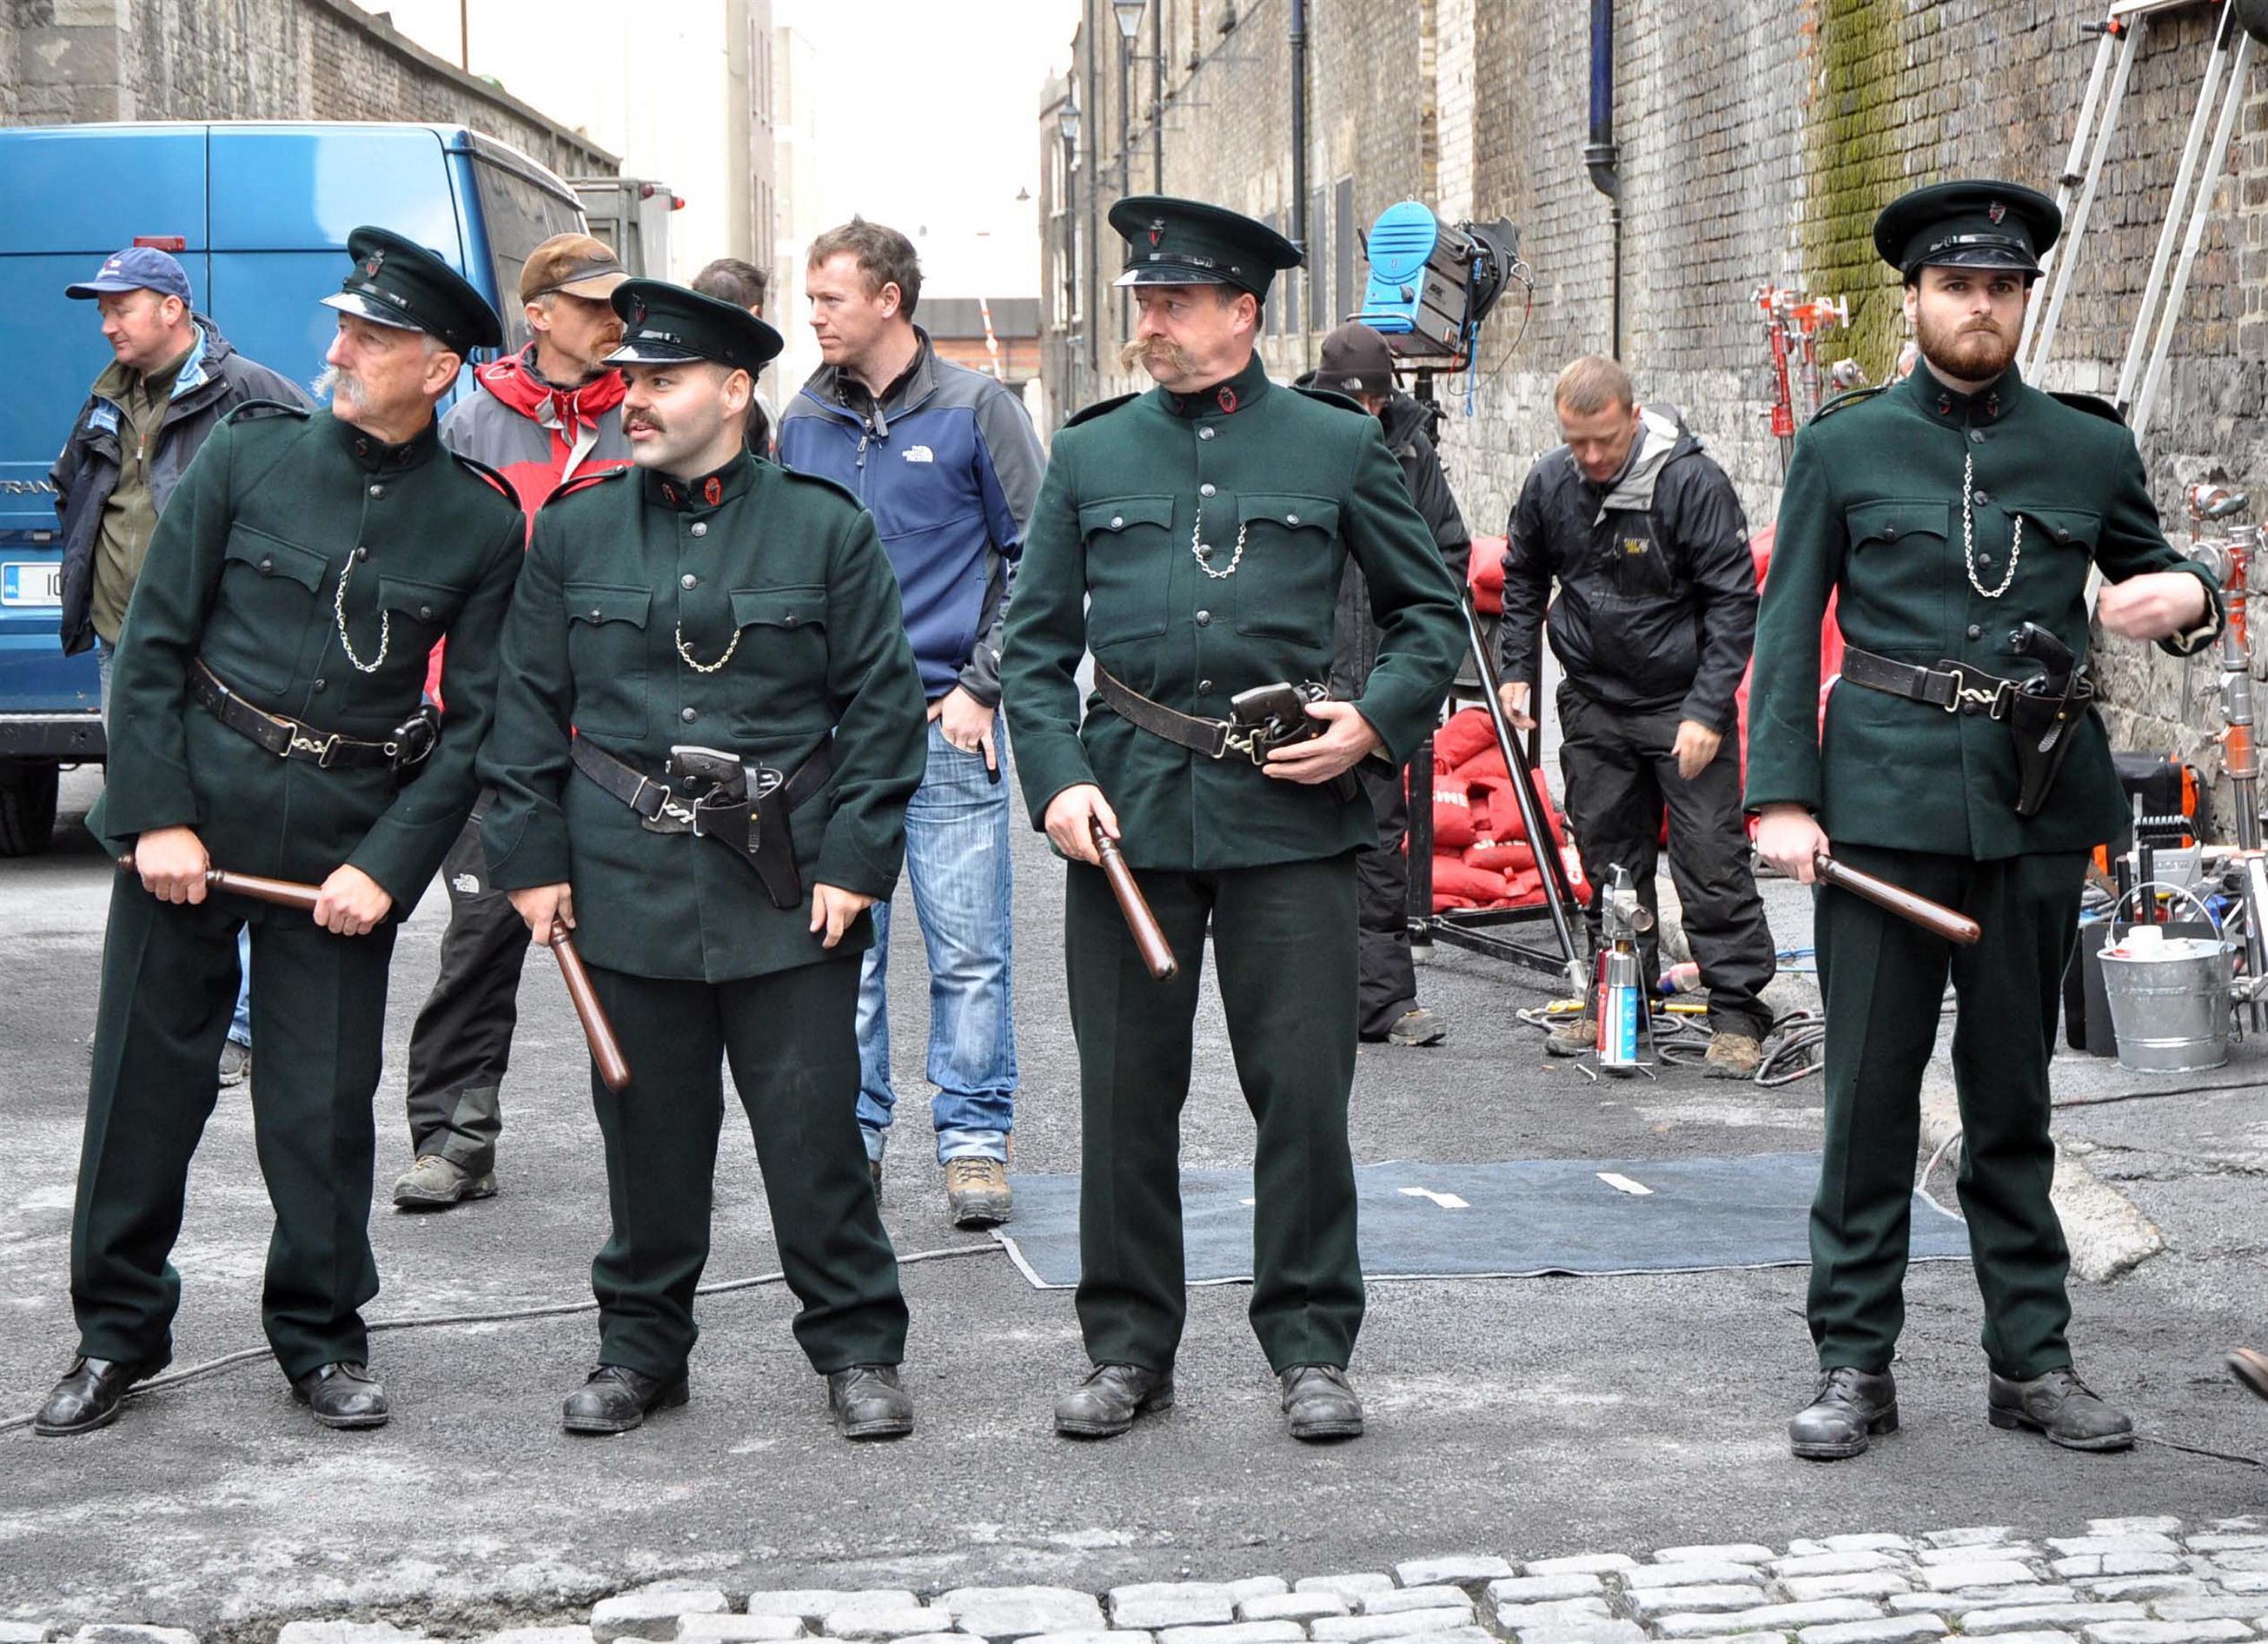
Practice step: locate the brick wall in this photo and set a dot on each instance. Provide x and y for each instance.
(1759, 138)
(64, 61)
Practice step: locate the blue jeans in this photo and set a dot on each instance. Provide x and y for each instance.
(957, 863)
(240, 1026)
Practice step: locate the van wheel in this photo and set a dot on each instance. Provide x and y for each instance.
(27, 805)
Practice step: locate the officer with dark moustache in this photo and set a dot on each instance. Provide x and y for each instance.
(268, 717)
(1193, 539)
(1955, 515)
(710, 727)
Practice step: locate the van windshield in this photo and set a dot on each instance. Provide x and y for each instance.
(519, 214)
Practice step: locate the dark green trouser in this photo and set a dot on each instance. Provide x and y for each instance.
(1284, 937)
(1883, 980)
(794, 1051)
(169, 976)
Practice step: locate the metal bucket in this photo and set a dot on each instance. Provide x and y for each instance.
(2170, 1009)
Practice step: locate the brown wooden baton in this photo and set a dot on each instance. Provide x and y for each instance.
(1934, 917)
(606, 1049)
(1149, 935)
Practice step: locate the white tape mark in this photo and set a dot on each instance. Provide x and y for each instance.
(1446, 1201)
(1623, 1184)
(1247, 1202)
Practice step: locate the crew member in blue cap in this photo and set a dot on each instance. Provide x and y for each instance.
(172, 378)
(710, 726)
(268, 719)
(1955, 515)
(1193, 539)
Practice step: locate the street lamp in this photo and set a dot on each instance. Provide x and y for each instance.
(1129, 14)
(1067, 120)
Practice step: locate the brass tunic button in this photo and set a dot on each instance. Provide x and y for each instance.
(424, 613)
(1204, 551)
(377, 490)
(1204, 687)
(1974, 632)
(1983, 559)
(688, 715)
(322, 685)
(1204, 433)
(1205, 491)
(2063, 534)
(1117, 521)
(1205, 619)
(361, 552)
(594, 613)
(688, 580)
(1984, 497)
(269, 563)
(699, 528)
(1291, 518)
(1975, 436)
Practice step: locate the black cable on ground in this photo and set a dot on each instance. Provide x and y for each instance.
(507, 1316)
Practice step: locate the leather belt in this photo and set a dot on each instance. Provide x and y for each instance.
(1952, 686)
(287, 738)
(658, 806)
(1215, 739)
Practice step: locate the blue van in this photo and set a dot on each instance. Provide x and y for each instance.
(259, 215)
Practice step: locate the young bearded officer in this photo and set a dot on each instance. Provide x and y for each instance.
(1193, 538)
(711, 729)
(268, 718)
(1956, 514)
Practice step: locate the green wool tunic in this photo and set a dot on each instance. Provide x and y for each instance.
(628, 575)
(1281, 484)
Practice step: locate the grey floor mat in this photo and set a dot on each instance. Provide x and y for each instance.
(1519, 1218)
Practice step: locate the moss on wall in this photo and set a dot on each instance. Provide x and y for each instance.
(1861, 97)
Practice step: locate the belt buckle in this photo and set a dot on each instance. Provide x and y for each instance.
(1965, 697)
(324, 749)
(1247, 742)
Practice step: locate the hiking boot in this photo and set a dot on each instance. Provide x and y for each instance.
(868, 1402)
(1105, 1405)
(235, 1064)
(976, 1192)
(1319, 1405)
(1578, 1035)
(1733, 1054)
(1850, 1407)
(2061, 1406)
(435, 1183)
(1419, 1026)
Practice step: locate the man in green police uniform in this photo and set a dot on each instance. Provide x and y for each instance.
(1957, 515)
(724, 639)
(1193, 538)
(307, 564)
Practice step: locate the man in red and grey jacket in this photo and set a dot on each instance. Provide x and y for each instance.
(540, 418)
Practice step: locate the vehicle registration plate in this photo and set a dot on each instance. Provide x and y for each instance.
(31, 582)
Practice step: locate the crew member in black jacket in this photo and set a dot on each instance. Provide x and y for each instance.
(1655, 617)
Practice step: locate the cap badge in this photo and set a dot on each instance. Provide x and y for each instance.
(372, 263)
(1996, 211)
(638, 311)
(1157, 230)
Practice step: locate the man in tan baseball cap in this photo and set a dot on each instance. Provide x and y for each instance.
(550, 413)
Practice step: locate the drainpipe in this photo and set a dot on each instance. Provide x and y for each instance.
(1093, 256)
(1300, 154)
(1602, 154)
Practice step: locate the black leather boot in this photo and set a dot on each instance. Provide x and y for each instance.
(343, 1396)
(1849, 1407)
(1318, 1403)
(1105, 1405)
(2063, 1407)
(868, 1402)
(616, 1398)
(89, 1395)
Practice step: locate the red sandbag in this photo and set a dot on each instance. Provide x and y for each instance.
(1467, 732)
(1486, 766)
(1501, 855)
(1476, 887)
(1453, 815)
(1485, 575)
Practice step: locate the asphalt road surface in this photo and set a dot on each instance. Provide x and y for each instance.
(1528, 1416)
